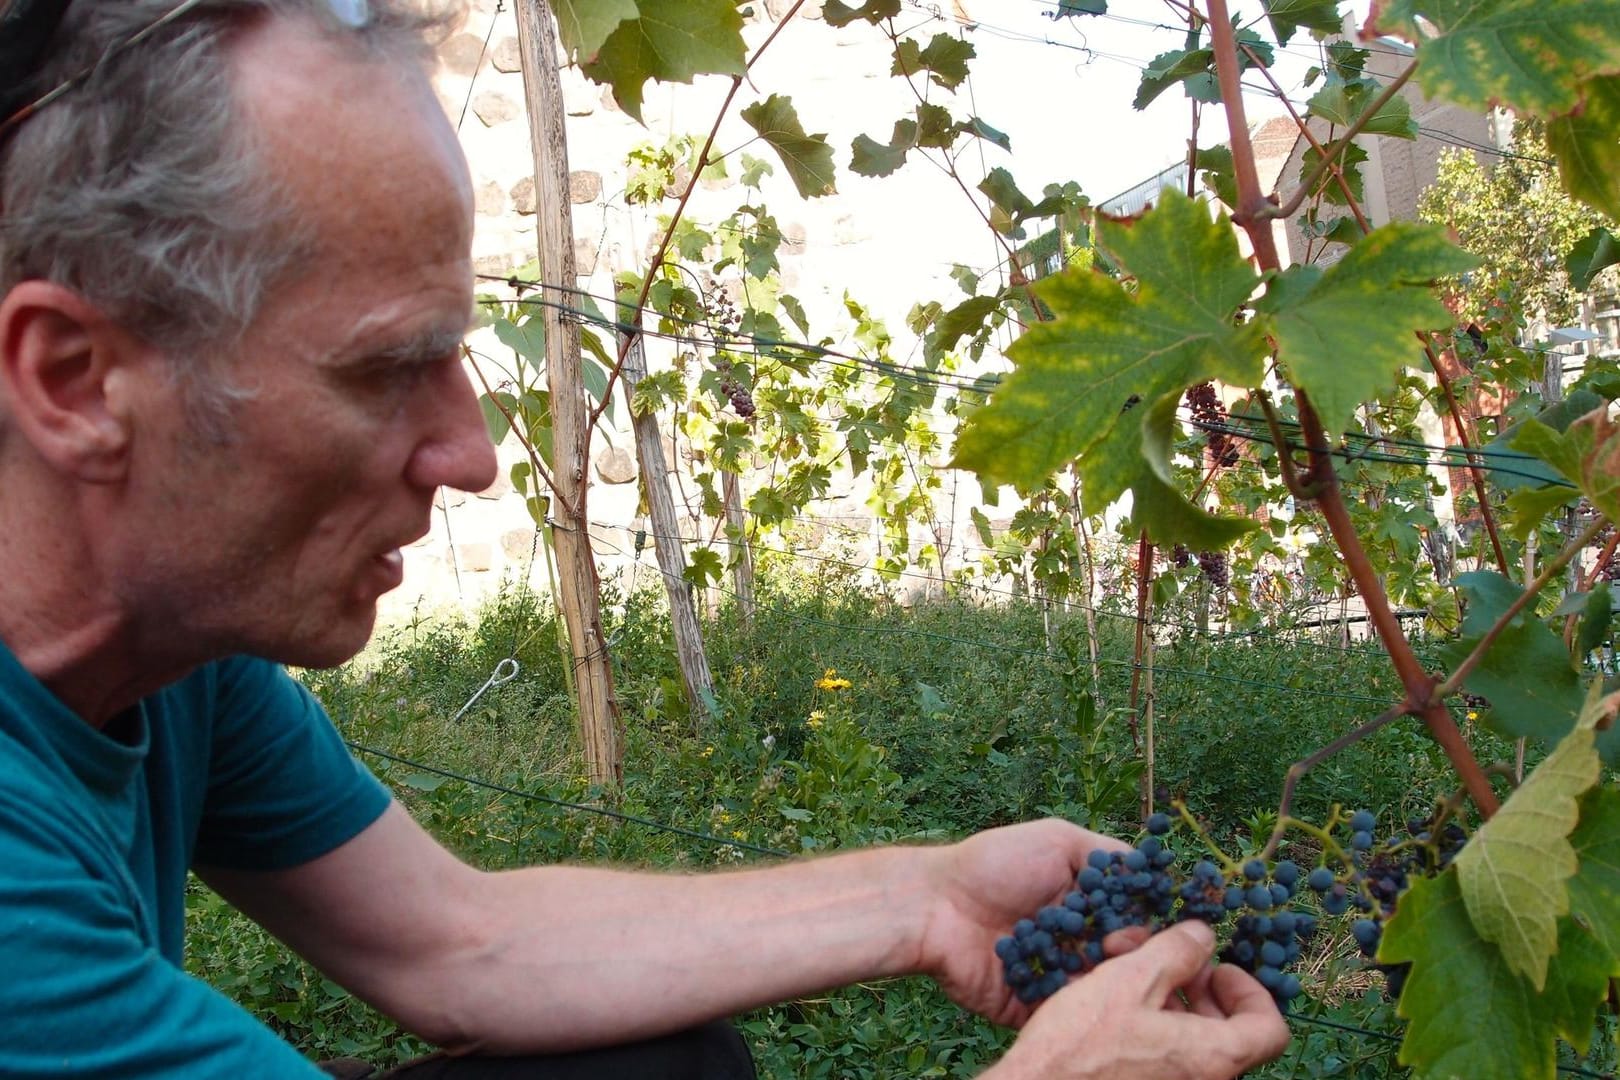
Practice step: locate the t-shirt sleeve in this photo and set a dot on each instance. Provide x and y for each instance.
(84, 996)
(283, 788)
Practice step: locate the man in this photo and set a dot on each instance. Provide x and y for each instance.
(234, 270)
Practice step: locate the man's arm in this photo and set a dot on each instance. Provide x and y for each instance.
(563, 957)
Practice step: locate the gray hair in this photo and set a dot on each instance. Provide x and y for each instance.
(141, 189)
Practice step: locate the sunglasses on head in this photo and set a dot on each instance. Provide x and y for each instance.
(26, 29)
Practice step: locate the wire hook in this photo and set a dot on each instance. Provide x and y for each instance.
(504, 672)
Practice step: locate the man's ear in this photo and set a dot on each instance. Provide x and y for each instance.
(66, 376)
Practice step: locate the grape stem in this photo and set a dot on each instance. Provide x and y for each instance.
(1231, 868)
(1298, 769)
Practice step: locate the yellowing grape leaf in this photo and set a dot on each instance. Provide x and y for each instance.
(1106, 346)
(807, 158)
(1469, 1017)
(667, 42)
(1344, 333)
(1530, 55)
(1587, 145)
(1512, 872)
(1135, 457)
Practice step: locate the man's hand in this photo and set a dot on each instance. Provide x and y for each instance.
(985, 884)
(1158, 1013)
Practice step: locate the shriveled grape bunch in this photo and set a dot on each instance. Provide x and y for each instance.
(741, 398)
(1267, 919)
(1209, 414)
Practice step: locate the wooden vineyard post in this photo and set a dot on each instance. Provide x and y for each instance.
(577, 583)
(742, 556)
(666, 533)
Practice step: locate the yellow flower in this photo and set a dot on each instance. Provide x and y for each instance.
(815, 719)
(722, 817)
(832, 681)
(737, 834)
(706, 753)
(1472, 715)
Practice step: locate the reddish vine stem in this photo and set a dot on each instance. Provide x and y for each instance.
(1296, 771)
(1304, 129)
(1588, 582)
(1331, 155)
(1256, 221)
(1475, 472)
(668, 238)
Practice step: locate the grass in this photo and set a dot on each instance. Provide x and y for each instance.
(959, 716)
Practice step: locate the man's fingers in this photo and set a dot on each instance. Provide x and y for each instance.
(1235, 991)
(1171, 959)
(1127, 940)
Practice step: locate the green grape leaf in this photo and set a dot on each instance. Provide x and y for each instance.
(872, 158)
(1529, 55)
(1345, 337)
(1349, 163)
(1592, 254)
(807, 158)
(795, 312)
(1289, 15)
(936, 128)
(1169, 68)
(1594, 893)
(1075, 374)
(945, 59)
(1135, 457)
(1458, 980)
(981, 130)
(873, 11)
(1587, 145)
(526, 338)
(1526, 673)
(964, 319)
(1343, 102)
(1219, 174)
(1513, 869)
(670, 43)
(705, 567)
(1519, 468)
(1587, 455)
(583, 25)
(1589, 938)
(496, 408)
(1596, 620)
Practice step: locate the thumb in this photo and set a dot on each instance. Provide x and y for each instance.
(1171, 958)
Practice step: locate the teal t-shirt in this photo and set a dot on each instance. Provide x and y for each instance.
(234, 766)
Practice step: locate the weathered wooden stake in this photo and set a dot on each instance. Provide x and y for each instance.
(578, 585)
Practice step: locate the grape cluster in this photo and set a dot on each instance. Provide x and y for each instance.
(1269, 927)
(719, 310)
(742, 399)
(1214, 568)
(1209, 413)
(1181, 556)
(1268, 936)
(1140, 887)
(1377, 877)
